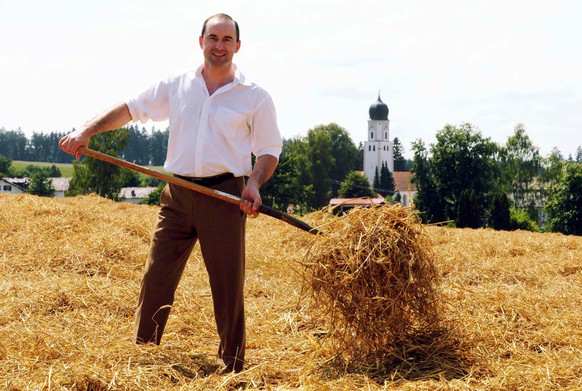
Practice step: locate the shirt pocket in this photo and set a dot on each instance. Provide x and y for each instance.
(230, 123)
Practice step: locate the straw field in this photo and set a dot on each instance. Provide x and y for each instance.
(509, 308)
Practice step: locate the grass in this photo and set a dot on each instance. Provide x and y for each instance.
(69, 278)
(65, 168)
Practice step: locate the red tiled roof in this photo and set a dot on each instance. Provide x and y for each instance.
(356, 201)
(402, 181)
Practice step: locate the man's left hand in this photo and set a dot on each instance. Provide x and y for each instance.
(251, 200)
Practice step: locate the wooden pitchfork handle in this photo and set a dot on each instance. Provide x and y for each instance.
(198, 188)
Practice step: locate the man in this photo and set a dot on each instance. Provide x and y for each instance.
(216, 120)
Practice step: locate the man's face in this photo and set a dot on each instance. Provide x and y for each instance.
(219, 42)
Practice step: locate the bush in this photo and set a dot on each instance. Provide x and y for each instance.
(519, 219)
(154, 197)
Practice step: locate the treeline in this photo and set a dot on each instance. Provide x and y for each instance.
(463, 179)
(144, 147)
(312, 169)
(467, 180)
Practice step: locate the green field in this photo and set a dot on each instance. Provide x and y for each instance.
(65, 168)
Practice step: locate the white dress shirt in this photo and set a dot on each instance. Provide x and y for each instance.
(210, 135)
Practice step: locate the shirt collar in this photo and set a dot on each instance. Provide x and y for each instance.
(239, 77)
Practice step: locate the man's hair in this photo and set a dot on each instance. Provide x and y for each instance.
(222, 16)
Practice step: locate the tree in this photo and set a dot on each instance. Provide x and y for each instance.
(386, 180)
(467, 210)
(154, 197)
(284, 188)
(95, 176)
(41, 184)
(398, 155)
(500, 215)
(376, 184)
(51, 172)
(564, 206)
(296, 150)
(312, 168)
(158, 146)
(355, 185)
(426, 199)
(552, 169)
(321, 161)
(343, 150)
(520, 164)
(462, 159)
(13, 144)
(137, 149)
(5, 166)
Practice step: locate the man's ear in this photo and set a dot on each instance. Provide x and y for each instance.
(200, 39)
(237, 47)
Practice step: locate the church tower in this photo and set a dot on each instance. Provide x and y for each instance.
(378, 148)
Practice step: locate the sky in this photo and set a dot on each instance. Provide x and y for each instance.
(494, 64)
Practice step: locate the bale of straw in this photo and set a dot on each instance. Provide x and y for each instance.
(372, 275)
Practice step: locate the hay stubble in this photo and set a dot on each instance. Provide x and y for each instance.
(69, 279)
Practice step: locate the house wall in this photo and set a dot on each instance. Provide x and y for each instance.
(9, 188)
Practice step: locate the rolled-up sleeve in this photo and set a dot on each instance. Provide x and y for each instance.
(152, 104)
(266, 138)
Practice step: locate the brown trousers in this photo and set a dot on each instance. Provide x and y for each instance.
(184, 218)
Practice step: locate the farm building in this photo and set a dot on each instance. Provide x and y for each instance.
(404, 187)
(339, 205)
(61, 185)
(13, 185)
(133, 195)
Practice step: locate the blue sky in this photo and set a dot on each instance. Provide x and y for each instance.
(491, 63)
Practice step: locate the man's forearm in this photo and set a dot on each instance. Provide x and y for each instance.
(263, 170)
(111, 119)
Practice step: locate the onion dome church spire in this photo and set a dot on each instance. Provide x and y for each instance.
(379, 110)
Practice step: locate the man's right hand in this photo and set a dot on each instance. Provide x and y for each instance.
(71, 142)
(111, 119)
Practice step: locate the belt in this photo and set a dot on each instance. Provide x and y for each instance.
(207, 181)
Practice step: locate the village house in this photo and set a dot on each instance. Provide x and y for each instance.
(13, 185)
(133, 195)
(20, 185)
(404, 187)
(61, 185)
(340, 205)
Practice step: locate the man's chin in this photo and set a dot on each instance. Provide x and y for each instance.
(224, 62)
